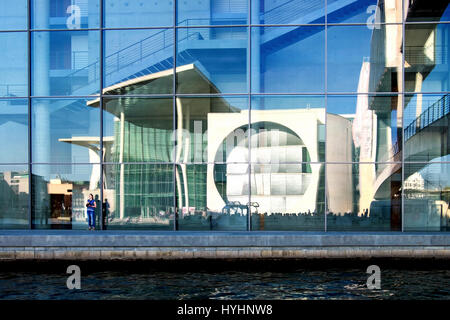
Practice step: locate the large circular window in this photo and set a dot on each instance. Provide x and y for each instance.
(280, 168)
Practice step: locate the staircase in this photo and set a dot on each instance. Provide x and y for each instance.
(156, 51)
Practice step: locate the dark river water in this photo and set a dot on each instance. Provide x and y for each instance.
(225, 280)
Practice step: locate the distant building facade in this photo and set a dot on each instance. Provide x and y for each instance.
(305, 115)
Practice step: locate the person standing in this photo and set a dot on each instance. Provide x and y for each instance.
(91, 205)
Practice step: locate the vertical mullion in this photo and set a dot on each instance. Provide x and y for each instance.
(249, 106)
(102, 226)
(30, 184)
(325, 211)
(402, 202)
(174, 115)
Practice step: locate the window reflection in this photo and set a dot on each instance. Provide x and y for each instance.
(360, 199)
(364, 128)
(65, 131)
(287, 196)
(288, 59)
(288, 129)
(206, 126)
(65, 14)
(427, 196)
(130, 14)
(133, 54)
(14, 118)
(65, 63)
(224, 64)
(426, 127)
(13, 65)
(60, 193)
(426, 57)
(365, 11)
(209, 199)
(288, 11)
(14, 196)
(137, 129)
(438, 10)
(214, 12)
(139, 196)
(13, 15)
(362, 59)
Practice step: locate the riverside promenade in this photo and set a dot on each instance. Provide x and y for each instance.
(158, 245)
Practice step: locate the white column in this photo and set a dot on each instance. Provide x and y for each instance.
(122, 173)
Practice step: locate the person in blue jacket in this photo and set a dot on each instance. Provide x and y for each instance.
(91, 205)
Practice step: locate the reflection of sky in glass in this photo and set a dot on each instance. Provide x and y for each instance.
(13, 131)
(71, 173)
(437, 175)
(288, 102)
(411, 106)
(347, 48)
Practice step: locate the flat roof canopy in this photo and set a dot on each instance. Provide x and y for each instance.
(143, 110)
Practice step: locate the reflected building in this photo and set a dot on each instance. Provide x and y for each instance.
(13, 199)
(226, 114)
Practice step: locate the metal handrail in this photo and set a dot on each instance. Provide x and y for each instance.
(22, 90)
(139, 47)
(299, 7)
(436, 111)
(140, 50)
(292, 8)
(417, 55)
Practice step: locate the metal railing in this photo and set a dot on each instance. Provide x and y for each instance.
(164, 39)
(80, 59)
(431, 55)
(147, 47)
(288, 11)
(13, 90)
(230, 6)
(436, 111)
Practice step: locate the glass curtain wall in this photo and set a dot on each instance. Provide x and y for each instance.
(308, 115)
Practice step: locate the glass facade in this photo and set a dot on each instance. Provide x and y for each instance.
(285, 115)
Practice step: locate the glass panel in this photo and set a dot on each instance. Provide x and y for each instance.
(138, 61)
(436, 10)
(65, 131)
(60, 193)
(288, 129)
(14, 119)
(359, 198)
(13, 15)
(207, 128)
(288, 59)
(288, 196)
(65, 14)
(426, 127)
(288, 11)
(212, 196)
(13, 64)
(205, 200)
(14, 196)
(427, 195)
(363, 128)
(212, 60)
(132, 14)
(65, 63)
(214, 12)
(137, 129)
(364, 60)
(426, 57)
(370, 12)
(139, 196)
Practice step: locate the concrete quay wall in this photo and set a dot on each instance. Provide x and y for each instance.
(148, 245)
